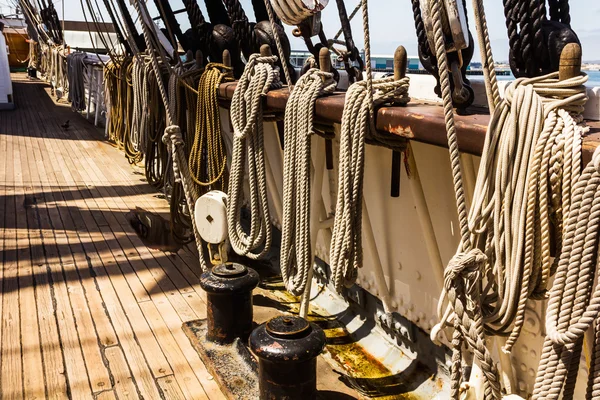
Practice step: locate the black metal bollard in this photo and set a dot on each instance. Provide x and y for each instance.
(229, 301)
(287, 348)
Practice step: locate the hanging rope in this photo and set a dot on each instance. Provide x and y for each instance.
(208, 158)
(528, 168)
(75, 73)
(346, 241)
(248, 147)
(468, 321)
(280, 52)
(172, 136)
(358, 124)
(298, 128)
(536, 42)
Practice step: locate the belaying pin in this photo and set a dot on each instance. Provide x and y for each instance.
(400, 65)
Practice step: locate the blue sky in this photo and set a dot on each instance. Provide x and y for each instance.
(392, 24)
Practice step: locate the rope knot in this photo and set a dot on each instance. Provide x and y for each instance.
(173, 135)
(464, 273)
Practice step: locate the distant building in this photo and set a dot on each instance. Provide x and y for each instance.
(378, 62)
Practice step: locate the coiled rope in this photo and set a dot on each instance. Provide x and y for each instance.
(75, 74)
(574, 304)
(298, 128)
(346, 241)
(172, 136)
(208, 158)
(248, 148)
(468, 321)
(358, 123)
(529, 164)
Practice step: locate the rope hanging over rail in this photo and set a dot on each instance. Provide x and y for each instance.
(208, 160)
(357, 125)
(535, 41)
(529, 166)
(248, 148)
(172, 136)
(298, 128)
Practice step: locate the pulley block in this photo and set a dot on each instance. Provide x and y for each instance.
(294, 12)
(459, 47)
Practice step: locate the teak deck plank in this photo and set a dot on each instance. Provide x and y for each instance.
(11, 347)
(33, 374)
(87, 310)
(124, 385)
(54, 369)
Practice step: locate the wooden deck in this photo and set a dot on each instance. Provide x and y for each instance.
(87, 310)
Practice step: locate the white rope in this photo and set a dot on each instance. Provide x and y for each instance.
(293, 12)
(275, 30)
(510, 214)
(346, 241)
(299, 116)
(172, 136)
(259, 76)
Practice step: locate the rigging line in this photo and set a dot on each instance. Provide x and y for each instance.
(217, 13)
(175, 34)
(172, 136)
(102, 21)
(92, 40)
(118, 28)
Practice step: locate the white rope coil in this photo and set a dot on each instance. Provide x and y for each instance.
(346, 241)
(259, 76)
(510, 214)
(140, 104)
(299, 116)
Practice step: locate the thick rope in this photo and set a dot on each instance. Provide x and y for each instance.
(208, 157)
(298, 128)
(280, 52)
(346, 242)
(259, 76)
(511, 210)
(172, 137)
(474, 336)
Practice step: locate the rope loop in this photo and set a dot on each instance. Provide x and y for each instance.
(358, 124)
(465, 269)
(296, 252)
(259, 76)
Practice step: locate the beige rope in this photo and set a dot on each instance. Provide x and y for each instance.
(172, 137)
(299, 126)
(346, 241)
(510, 214)
(259, 76)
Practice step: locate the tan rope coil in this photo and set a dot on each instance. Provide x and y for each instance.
(298, 128)
(346, 241)
(259, 76)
